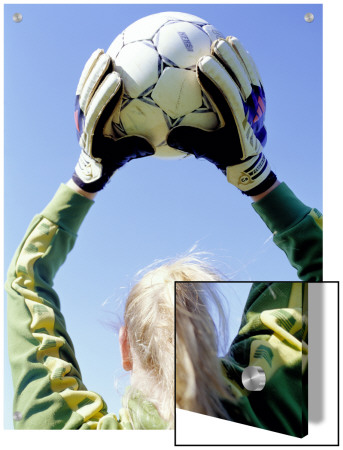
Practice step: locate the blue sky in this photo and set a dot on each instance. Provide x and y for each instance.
(152, 209)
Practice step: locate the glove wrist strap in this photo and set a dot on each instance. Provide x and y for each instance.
(266, 184)
(89, 174)
(252, 175)
(93, 186)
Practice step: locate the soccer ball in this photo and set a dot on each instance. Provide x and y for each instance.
(156, 57)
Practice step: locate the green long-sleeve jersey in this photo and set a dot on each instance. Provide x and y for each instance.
(48, 389)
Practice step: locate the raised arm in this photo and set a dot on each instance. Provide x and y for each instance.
(48, 388)
(273, 332)
(231, 80)
(297, 230)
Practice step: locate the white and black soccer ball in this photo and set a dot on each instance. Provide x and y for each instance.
(156, 57)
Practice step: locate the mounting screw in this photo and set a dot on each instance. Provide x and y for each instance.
(309, 17)
(17, 416)
(17, 17)
(253, 378)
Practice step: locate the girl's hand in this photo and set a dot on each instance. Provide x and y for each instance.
(232, 83)
(98, 97)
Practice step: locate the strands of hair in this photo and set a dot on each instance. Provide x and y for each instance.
(149, 319)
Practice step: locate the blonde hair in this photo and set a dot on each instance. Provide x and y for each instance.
(149, 320)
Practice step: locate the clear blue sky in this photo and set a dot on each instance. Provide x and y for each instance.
(152, 209)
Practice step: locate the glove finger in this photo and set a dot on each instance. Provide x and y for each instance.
(246, 60)
(101, 108)
(224, 93)
(222, 50)
(208, 68)
(100, 69)
(87, 69)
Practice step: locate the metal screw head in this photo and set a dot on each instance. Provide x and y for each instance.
(17, 416)
(17, 17)
(309, 17)
(253, 378)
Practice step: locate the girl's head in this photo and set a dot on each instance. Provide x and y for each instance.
(147, 337)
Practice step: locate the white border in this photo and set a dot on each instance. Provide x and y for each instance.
(332, 166)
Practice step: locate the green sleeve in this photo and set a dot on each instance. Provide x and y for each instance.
(273, 336)
(273, 332)
(48, 388)
(297, 230)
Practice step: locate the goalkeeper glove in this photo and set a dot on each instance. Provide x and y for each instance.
(98, 96)
(230, 79)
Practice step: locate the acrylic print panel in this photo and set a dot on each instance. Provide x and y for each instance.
(152, 209)
(321, 384)
(261, 379)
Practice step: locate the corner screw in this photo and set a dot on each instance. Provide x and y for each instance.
(17, 416)
(253, 378)
(309, 17)
(17, 17)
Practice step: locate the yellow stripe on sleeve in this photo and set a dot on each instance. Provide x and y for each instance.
(317, 217)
